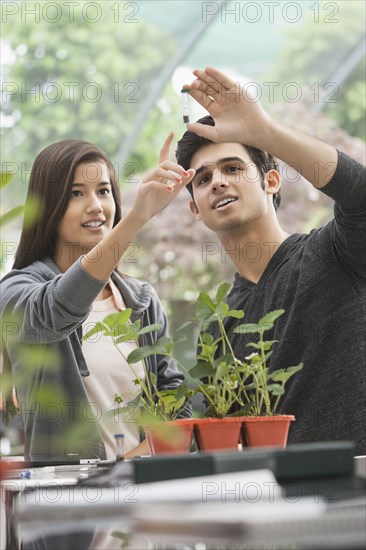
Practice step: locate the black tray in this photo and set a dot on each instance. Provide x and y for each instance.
(300, 461)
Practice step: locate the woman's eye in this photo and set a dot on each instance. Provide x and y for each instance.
(76, 193)
(104, 191)
(204, 179)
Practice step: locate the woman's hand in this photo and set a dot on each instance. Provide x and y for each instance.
(142, 449)
(161, 185)
(239, 118)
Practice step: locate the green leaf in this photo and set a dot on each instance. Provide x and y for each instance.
(204, 298)
(207, 338)
(207, 352)
(222, 292)
(296, 368)
(140, 353)
(267, 322)
(253, 345)
(116, 319)
(5, 179)
(32, 356)
(99, 327)
(205, 309)
(247, 328)
(202, 370)
(237, 314)
(164, 345)
(32, 211)
(11, 215)
(268, 344)
(150, 328)
(222, 310)
(222, 367)
(276, 389)
(127, 332)
(169, 401)
(282, 375)
(182, 390)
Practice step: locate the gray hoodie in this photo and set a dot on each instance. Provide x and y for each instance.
(43, 309)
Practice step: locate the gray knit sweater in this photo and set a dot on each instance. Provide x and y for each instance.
(319, 279)
(43, 309)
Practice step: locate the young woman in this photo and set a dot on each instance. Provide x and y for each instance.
(63, 281)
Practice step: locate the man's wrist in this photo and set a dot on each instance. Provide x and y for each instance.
(268, 135)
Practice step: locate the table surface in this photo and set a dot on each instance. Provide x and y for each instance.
(242, 510)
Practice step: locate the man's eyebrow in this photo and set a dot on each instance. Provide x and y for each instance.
(206, 165)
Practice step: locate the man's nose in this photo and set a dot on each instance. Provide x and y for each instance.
(219, 181)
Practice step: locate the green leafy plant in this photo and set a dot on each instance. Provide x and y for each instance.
(224, 380)
(265, 388)
(216, 378)
(152, 404)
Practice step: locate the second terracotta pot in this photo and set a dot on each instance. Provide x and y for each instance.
(217, 434)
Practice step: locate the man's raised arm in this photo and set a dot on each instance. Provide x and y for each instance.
(241, 119)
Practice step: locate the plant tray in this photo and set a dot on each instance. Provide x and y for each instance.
(300, 461)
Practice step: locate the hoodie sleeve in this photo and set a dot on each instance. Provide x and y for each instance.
(41, 307)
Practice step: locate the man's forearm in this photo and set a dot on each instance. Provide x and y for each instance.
(241, 120)
(313, 159)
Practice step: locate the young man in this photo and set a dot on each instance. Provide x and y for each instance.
(319, 279)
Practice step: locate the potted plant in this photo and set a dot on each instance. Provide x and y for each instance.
(226, 383)
(215, 378)
(156, 410)
(261, 389)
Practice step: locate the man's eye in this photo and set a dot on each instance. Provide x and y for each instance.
(232, 168)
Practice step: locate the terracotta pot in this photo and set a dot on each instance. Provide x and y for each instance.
(5, 468)
(173, 437)
(266, 431)
(217, 434)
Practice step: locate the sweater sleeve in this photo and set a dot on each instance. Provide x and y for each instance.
(45, 311)
(348, 189)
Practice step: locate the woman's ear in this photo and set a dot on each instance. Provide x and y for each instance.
(194, 210)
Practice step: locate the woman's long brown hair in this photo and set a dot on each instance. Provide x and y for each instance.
(50, 182)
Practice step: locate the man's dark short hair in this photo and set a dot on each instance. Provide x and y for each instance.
(191, 143)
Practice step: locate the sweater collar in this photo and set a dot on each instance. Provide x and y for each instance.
(281, 255)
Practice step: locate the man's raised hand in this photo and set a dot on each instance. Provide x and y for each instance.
(239, 118)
